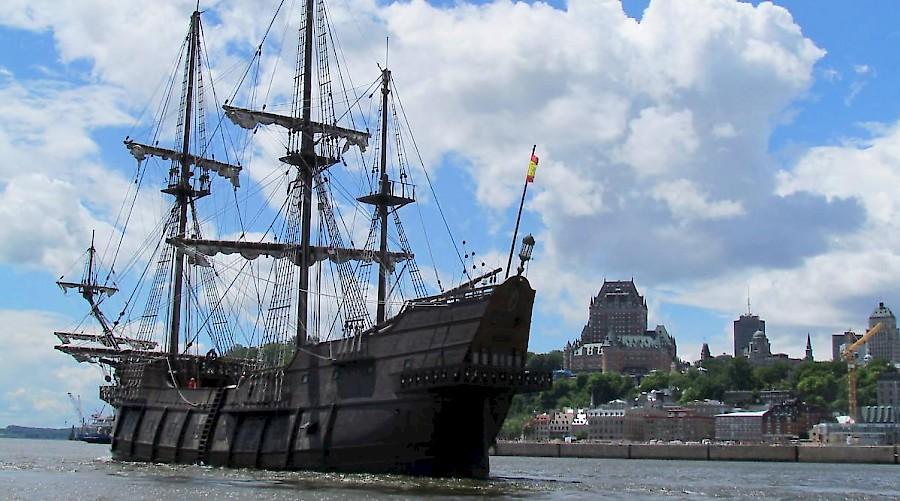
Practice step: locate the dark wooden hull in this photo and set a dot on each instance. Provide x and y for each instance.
(424, 394)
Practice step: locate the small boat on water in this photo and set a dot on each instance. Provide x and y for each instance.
(97, 430)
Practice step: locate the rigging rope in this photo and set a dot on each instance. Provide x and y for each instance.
(433, 192)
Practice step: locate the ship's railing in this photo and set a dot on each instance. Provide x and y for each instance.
(474, 375)
(446, 298)
(402, 190)
(205, 370)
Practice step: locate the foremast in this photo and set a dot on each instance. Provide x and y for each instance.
(384, 186)
(384, 200)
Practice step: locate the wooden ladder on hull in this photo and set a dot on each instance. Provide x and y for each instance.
(209, 424)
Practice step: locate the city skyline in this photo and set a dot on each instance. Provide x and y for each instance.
(700, 146)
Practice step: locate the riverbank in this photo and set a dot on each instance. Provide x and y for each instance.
(699, 452)
(13, 431)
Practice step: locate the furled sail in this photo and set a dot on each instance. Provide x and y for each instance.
(249, 119)
(138, 344)
(252, 250)
(228, 171)
(102, 289)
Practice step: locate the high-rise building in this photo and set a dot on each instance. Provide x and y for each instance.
(744, 328)
(886, 344)
(617, 310)
(839, 341)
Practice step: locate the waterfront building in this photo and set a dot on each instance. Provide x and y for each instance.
(668, 423)
(782, 420)
(886, 344)
(616, 338)
(607, 422)
(744, 329)
(636, 422)
(560, 425)
(856, 433)
(746, 426)
(580, 426)
(538, 428)
(791, 419)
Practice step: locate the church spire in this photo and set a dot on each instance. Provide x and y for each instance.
(809, 353)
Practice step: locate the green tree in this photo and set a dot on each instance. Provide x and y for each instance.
(512, 427)
(550, 361)
(605, 387)
(655, 380)
(867, 381)
(773, 377)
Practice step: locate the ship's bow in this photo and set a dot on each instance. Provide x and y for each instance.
(473, 410)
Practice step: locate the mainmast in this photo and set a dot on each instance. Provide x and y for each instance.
(321, 144)
(308, 155)
(183, 190)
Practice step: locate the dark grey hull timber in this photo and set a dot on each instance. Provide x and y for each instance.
(425, 393)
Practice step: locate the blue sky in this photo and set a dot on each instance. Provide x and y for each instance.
(712, 147)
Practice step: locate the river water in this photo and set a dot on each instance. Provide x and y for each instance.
(46, 469)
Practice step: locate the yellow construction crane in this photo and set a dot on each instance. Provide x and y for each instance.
(849, 355)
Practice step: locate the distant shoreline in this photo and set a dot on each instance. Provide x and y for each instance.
(779, 453)
(13, 431)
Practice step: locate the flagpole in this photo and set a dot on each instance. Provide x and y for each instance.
(518, 217)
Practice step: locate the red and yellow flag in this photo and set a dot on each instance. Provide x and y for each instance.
(532, 167)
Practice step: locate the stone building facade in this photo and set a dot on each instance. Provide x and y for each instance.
(668, 423)
(746, 426)
(607, 422)
(538, 428)
(781, 422)
(616, 338)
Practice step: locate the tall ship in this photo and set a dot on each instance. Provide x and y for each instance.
(260, 344)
